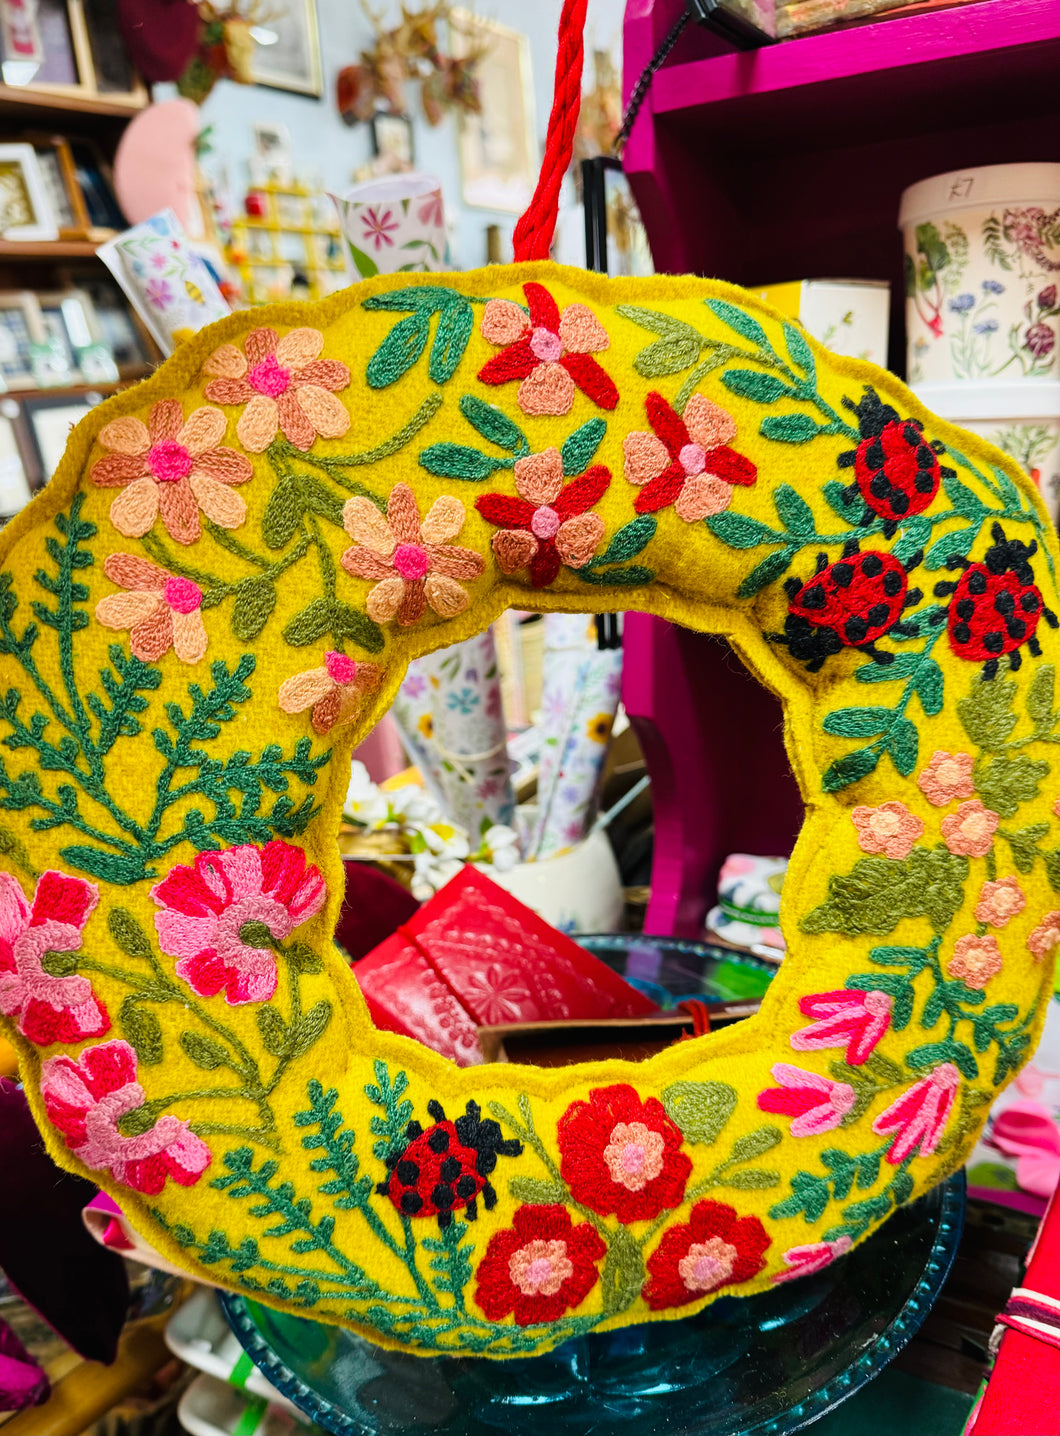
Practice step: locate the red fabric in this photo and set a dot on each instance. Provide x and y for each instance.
(374, 905)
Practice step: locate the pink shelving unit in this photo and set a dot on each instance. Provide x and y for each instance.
(788, 162)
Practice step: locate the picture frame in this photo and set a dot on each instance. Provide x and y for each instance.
(17, 484)
(113, 321)
(616, 241)
(498, 148)
(21, 327)
(25, 210)
(67, 47)
(393, 140)
(93, 177)
(59, 175)
(71, 327)
(287, 49)
(49, 419)
(272, 152)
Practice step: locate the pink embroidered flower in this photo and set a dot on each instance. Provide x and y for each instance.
(174, 468)
(548, 525)
(1044, 939)
(549, 352)
(890, 829)
(160, 610)
(970, 830)
(379, 225)
(413, 564)
(49, 1007)
(283, 384)
(86, 1100)
(687, 461)
(947, 776)
(816, 1103)
(335, 692)
(920, 1114)
(815, 1256)
(214, 915)
(847, 1018)
(975, 960)
(1000, 902)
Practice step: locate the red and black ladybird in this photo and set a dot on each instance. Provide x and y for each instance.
(996, 604)
(445, 1168)
(848, 604)
(896, 470)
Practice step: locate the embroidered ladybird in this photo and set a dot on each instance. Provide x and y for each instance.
(896, 470)
(447, 1166)
(996, 604)
(848, 604)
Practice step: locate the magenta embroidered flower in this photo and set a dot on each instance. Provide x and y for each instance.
(848, 1018)
(284, 385)
(815, 1256)
(87, 1100)
(920, 1114)
(50, 1006)
(160, 610)
(379, 225)
(890, 829)
(221, 916)
(816, 1103)
(335, 692)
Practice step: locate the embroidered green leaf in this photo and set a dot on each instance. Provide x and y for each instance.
(795, 513)
(1052, 868)
(858, 722)
(667, 326)
(791, 429)
(1041, 696)
(658, 361)
(752, 1179)
(457, 461)
(255, 600)
(904, 666)
(914, 535)
(879, 892)
(13, 848)
(59, 964)
(739, 531)
(319, 500)
(283, 513)
(128, 934)
(950, 545)
(117, 868)
(903, 742)
(400, 350)
(835, 494)
(135, 1123)
(1004, 783)
(629, 541)
(203, 1051)
(426, 297)
(629, 577)
(987, 714)
(326, 615)
(741, 321)
(800, 351)
(1024, 844)
(929, 686)
(538, 1192)
(700, 1109)
(493, 424)
(851, 768)
(579, 449)
(754, 1144)
(309, 1027)
(754, 384)
(142, 1030)
(303, 959)
(932, 1053)
(273, 1030)
(766, 572)
(962, 498)
(623, 1272)
(455, 323)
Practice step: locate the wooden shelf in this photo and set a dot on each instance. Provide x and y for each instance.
(23, 102)
(47, 249)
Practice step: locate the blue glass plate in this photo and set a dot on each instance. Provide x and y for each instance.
(761, 1366)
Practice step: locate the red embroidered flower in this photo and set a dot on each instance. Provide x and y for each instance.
(335, 692)
(852, 1019)
(86, 1100)
(815, 1256)
(817, 1103)
(540, 1267)
(548, 524)
(49, 1008)
(160, 610)
(622, 1155)
(284, 385)
(550, 352)
(212, 916)
(714, 1248)
(687, 462)
(919, 1116)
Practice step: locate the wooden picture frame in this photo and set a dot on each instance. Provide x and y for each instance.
(25, 210)
(59, 174)
(21, 326)
(69, 52)
(48, 419)
(114, 321)
(296, 41)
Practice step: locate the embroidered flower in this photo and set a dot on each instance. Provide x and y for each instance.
(335, 692)
(50, 1000)
(687, 462)
(283, 384)
(714, 1248)
(890, 829)
(1000, 901)
(816, 1103)
(160, 609)
(848, 1018)
(174, 468)
(548, 525)
(1044, 939)
(549, 352)
(947, 776)
(87, 1101)
(539, 1267)
(414, 564)
(221, 916)
(815, 1256)
(970, 830)
(623, 1155)
(920, 1114)
(975, 959)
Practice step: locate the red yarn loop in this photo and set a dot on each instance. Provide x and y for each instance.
(533, 233)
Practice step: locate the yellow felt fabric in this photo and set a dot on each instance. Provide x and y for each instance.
(189, 1037)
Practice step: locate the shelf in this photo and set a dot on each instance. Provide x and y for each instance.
(47, 249)
(23, 102)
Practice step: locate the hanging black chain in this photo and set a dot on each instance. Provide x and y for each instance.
(640, 89)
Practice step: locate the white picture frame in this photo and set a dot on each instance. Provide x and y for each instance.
(26, 212)
(287, 48)
(499, 152)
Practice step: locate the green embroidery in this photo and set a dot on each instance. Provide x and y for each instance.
(405, 343)
(878, 893)
(812, 1194)
(633, 538)
(700, 1109)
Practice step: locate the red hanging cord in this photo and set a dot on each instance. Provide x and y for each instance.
(533, 233)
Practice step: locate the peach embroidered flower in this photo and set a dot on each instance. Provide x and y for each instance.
(687, 461)
(335, 692)
(413, 564)
(947, 776)
(975, 960)
(970, 830)
(160, 610)
(548, 525)
(283, 385)
(549, 351)
(1000, 901)
(1045, 937)
(890, 829)
(174, 468)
